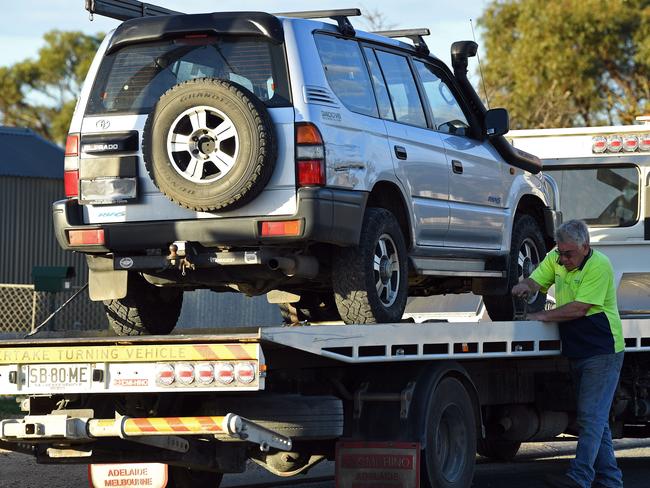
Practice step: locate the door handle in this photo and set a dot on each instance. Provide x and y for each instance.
(400, 152)
(457, 166)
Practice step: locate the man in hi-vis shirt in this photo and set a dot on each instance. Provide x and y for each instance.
(592, 340)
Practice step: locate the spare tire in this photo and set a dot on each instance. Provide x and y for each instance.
(209, 145)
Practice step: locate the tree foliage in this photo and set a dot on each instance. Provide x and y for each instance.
(562, 63)
(41, 93)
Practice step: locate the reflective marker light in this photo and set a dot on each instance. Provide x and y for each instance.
(630, 143)
(614, 143)
(599, 144)
(245, 372)
(86, 237)
(165, 374)
(280, 228)
(185, 373)
(644, 142)
(204, 373)
(225, 373)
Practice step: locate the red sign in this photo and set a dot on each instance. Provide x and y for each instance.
(377, 465)
(133, 475)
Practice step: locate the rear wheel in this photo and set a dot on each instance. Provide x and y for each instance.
(527, 250)
(449, 457)
(146, 309)
(370, 280)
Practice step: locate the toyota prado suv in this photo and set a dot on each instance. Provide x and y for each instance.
(335, 170)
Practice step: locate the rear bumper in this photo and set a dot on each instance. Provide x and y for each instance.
(327, 215)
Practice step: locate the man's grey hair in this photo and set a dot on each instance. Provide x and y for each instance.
(573, 231)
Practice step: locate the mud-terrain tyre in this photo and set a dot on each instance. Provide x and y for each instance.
(209, 145)
(449, 457)
(180, 477)
(370, 280)
(146, 309)
(527, 250)
(312, 307)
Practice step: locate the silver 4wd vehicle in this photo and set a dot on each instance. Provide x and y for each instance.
(338, 171)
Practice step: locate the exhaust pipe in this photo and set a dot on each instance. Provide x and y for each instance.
(460, 52)
(299, 266)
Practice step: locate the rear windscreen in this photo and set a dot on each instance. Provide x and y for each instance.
(132, 79)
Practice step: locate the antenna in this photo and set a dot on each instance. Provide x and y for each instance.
(480, 69)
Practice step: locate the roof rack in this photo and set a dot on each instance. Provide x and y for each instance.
(125, 9)
(415, 35)
(340, 15)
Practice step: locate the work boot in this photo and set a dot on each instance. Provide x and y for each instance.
(560, 481)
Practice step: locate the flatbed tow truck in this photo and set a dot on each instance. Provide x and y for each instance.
(399, 405)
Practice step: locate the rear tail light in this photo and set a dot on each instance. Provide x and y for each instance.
(71, 166)
(71, 183)
(204, 373)
(614, 143)
(630, 143)
(86, 237)
(245, 373)
(184, 373)
(165, 374)
(281, 228)
(225, 373)
(72, 145)
(310, 155)
(644, 142)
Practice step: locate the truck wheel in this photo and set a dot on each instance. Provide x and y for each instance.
(526, 252)
(370, 280)
(498, 449)
(312, 307)
(449, 456)
(146, 309)
(209, 144)
(180, 477)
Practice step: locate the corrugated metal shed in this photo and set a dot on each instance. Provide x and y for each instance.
(25, 153)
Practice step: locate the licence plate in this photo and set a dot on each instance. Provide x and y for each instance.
(58, 376)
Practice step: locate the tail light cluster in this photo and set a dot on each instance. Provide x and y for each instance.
(71, 166)
(240, 373)
(621, 143)
(310, 155)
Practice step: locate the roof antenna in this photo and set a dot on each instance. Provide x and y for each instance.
(480, 70)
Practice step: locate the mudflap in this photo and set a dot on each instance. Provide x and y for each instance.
(151, 475)
(105, 283)
(372, 464)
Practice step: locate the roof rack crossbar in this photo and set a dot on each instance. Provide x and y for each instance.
(340, 16)
(125, 9)
(415, 35)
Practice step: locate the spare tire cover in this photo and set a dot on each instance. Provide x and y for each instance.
(209, 144)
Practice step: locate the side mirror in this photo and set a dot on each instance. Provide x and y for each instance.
(497, 122)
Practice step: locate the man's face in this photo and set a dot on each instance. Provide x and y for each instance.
(571, 255)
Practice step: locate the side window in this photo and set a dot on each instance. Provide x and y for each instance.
(601, 196)
(402, 88)
(346, 73)
(385, 108)
(447, 114)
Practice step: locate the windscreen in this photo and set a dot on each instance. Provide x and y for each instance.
(132, 79)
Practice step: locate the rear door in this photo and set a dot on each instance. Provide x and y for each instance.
(418, 153)
(477, 183)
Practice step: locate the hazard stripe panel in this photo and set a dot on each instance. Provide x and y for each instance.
(173, 425)
(128, 353)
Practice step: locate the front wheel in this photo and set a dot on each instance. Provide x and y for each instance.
(449, 455)
(527, 250)
(370, 280)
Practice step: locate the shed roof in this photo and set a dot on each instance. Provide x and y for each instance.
(25, 153)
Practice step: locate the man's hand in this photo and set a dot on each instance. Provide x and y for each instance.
(521, 289)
